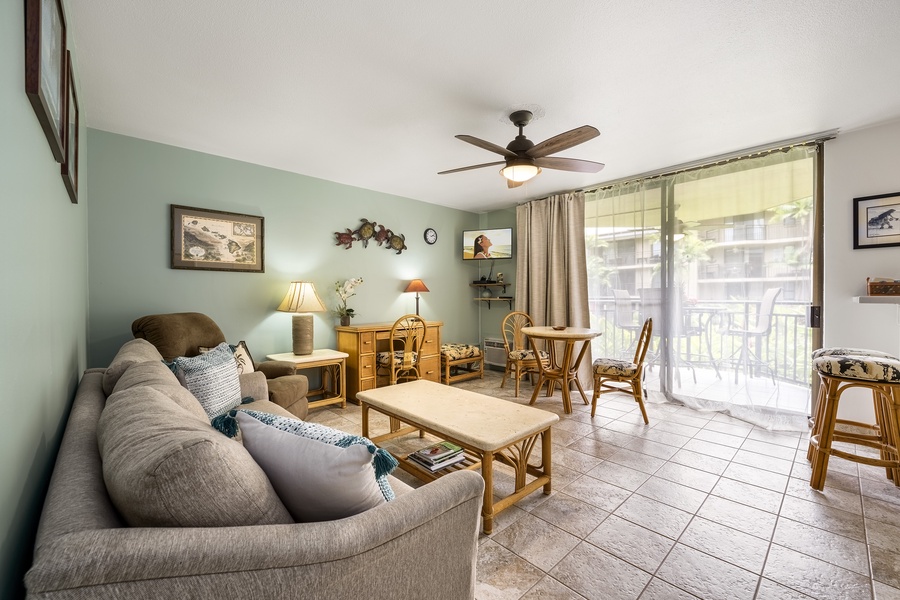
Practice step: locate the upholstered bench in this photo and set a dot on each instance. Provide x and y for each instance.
(460, 362)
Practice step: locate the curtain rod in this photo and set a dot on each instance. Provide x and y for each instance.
(783, 145)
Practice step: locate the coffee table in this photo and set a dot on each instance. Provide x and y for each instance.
(489, 429)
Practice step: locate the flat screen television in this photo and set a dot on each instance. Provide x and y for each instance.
(479, 244)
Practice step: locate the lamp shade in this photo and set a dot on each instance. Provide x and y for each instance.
(301, 298)
(416, 285)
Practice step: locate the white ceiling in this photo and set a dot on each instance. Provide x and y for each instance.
(370, 94)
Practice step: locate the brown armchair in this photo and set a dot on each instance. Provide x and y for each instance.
(183, 334)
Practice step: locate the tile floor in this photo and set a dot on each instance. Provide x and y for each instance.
(693, 505)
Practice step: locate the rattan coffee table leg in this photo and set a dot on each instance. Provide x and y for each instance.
(545, 459)
(364, 408)
(487, 508)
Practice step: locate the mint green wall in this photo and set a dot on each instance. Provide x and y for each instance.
(43, 321)
(133, 183)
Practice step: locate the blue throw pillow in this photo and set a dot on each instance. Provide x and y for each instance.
(212, 378)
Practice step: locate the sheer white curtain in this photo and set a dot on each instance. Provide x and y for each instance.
(701, 252)
(551, 274)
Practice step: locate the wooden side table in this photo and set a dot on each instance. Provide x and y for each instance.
(334, 370)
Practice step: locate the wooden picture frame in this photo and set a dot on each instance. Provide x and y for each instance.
(69, 168)
(45, 69)
(215, 240)
(876, 221)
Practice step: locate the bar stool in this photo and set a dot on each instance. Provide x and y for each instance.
(838, 351)
(838, 373)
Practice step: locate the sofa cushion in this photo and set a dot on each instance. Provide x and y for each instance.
(157, 375)
(213, 378)
(164, 468)
(131, 352)
(381, 459)
(254, 385)
(315, 480)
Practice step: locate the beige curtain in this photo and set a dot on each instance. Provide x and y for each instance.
(551, 267)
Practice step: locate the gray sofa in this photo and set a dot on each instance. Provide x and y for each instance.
(423, 544)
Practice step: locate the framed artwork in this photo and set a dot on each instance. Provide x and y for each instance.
(69, 169)
(214, 240)
(876, 221)
(45, 69)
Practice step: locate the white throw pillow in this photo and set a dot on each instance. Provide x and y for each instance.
(315, 480)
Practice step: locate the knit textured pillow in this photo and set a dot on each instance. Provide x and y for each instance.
(212, 378)
(381, 459)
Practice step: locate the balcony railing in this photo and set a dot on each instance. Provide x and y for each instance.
(706, 337)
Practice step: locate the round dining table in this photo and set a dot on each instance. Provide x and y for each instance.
(561, 369)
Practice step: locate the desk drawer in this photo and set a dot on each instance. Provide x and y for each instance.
(366, 342)
(432, 343)
(367, 365)
(430, 368)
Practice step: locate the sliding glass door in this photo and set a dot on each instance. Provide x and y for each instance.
(721, 259)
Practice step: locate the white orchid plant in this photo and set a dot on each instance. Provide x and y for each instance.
(345, 291)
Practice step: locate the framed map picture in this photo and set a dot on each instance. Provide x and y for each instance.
(876, 221)
(214, 240)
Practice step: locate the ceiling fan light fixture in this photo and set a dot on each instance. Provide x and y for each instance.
(520, 171)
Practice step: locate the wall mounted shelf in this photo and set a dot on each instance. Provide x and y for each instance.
(508, 300)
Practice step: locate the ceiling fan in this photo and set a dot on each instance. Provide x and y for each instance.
(524, 159)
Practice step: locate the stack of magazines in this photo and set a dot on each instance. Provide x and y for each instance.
(437, 456)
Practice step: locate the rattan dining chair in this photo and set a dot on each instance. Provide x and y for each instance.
(401, 362)
(612, 375)
(520, 359)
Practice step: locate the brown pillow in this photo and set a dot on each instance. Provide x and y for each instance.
(165, 468)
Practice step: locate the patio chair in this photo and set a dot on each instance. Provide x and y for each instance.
(746, 357)
(626, 316)
(652, 308)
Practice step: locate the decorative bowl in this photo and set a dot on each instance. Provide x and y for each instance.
(558, 327)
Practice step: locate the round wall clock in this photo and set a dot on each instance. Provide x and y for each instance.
(430, 236)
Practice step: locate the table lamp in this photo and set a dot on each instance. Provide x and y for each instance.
(302, 298)
(416, 285)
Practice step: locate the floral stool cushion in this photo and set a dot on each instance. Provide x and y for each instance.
(614, 367)
(384, 358)
(867, 368)
(459, 351)
(528, 355)
(838, 351)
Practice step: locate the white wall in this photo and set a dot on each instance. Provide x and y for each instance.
(859, 163)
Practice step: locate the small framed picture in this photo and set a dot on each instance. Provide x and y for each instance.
(876, 221)
(45, 69)
(214, 240)
(69, 168)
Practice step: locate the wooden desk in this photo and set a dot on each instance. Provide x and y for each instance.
(563, 370)
(362, 342)
(334, 367)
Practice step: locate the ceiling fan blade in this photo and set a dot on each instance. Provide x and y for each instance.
(490, 164)
(563, 141)
(513, 184)
(569, 164)
(487, 146)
